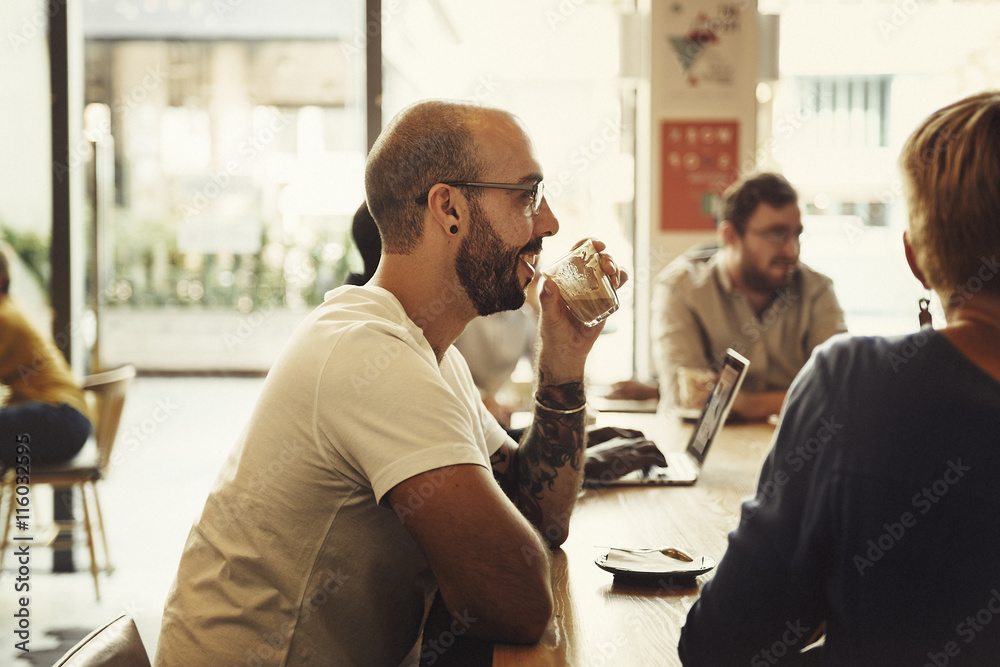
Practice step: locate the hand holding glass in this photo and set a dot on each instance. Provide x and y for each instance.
(584, 286)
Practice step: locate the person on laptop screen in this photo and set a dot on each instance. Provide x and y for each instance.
(875, 517)
(752, 294)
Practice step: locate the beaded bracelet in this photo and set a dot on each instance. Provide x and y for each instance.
(557, 411)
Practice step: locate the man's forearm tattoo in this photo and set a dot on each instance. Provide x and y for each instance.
(555, 440)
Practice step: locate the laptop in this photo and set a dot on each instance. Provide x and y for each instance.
(605, 404)
(683, 468)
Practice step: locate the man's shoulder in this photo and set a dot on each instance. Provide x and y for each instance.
(353, 326)
(844, 352)
(813, 281)
(349, 308)
(362, 299)
(693, 269)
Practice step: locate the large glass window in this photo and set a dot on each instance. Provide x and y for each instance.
(25, 162)
(849, 110)
(236, 156)
(236, 179)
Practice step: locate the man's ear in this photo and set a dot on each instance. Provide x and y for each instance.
(728, 234)
(911, 259)
(444, 203)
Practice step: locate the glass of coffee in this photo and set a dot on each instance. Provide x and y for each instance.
(585, 288)
(693, 386)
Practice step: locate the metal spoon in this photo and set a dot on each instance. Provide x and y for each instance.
(669, 552)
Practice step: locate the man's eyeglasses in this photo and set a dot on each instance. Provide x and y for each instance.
(779, 236)
(537, 191)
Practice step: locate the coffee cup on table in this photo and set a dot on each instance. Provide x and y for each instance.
(693, 387)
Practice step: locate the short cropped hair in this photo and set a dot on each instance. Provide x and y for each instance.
(426, 143)
(951, 176)
(742, 198)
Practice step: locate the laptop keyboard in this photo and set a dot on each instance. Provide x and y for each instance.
(680, 466)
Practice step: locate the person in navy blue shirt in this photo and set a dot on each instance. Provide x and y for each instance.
(874, 522)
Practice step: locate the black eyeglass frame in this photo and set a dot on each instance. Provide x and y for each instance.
(537, 190)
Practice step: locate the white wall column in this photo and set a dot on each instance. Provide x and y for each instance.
(700, 75)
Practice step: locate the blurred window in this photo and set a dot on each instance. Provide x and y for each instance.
(237, 139)
(854, 110)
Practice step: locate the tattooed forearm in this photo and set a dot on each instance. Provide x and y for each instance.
(504, 473)
(563, 397)
(550, 457)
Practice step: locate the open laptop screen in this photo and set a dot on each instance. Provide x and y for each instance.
(719, 402)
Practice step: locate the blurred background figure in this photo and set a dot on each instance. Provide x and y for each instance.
(369, 244)
(41, 403)
(752, 294)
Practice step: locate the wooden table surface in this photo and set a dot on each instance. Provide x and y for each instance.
(600, 622)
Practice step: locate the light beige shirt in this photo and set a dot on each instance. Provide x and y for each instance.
(298, 559)
(697, 314)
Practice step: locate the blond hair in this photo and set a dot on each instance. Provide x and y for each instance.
(951, 170)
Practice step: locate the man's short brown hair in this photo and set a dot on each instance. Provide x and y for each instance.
(742, 198)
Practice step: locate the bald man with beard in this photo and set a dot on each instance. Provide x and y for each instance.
(371, 477)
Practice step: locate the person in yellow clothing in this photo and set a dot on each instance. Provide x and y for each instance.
(44, 401)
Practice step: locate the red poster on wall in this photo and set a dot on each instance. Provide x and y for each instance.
(700, 159)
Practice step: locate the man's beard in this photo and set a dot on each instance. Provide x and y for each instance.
(487, 269)
(759, 281)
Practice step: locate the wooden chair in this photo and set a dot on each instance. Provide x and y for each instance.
(117, 644)
(106, 397)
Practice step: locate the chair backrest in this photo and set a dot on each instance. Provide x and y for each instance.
(117, 644)
(108, 390)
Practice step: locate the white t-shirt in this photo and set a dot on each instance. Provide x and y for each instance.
(294, 560)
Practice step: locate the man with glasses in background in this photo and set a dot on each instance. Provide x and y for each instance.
(370, 476)
(752, 294)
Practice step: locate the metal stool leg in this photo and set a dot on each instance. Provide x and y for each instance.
(8, 483)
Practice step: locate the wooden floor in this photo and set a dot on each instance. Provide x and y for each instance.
(174, 435)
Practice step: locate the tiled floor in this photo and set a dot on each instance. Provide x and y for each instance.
(175, 434)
